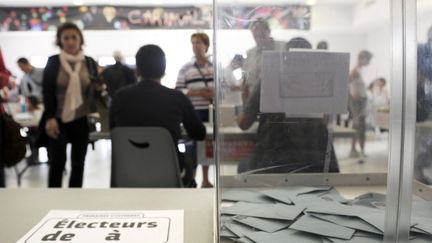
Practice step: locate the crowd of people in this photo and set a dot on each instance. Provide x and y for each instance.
(72, 86)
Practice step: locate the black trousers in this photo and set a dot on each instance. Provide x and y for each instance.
(31, 140)
(191, 147)
(76, 133)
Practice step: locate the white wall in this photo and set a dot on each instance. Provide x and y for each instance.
(333, 23)
(329, 22)
(175, 43)
(372, 19)
(378, 42)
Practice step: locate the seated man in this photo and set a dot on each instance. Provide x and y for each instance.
(148, 103)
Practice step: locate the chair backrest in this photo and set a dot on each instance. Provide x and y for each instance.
(144, 157)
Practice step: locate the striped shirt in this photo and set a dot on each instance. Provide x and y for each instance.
(190, 77)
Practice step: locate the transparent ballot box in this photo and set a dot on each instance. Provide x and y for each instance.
(318, 137)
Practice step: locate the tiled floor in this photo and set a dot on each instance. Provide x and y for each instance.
(98, 168)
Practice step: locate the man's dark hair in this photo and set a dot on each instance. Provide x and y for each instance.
(298, 42)
(23, 60)
(150, 62)
(33, 101)
(259, 23)
(66, 26)
(322, 45)
(365, 54)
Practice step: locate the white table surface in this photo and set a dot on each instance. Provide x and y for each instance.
(25, 119)
(22, 209)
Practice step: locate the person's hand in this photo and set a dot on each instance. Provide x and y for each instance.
(201, 92)
(52, 128)
(4, 93)
(100, 87)
(244, 92)
(208, 93)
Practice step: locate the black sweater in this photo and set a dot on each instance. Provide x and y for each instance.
(49, 83)
(148, 103)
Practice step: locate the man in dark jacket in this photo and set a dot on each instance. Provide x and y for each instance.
(118, 75)
(148, 103)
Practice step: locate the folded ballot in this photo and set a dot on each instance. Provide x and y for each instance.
(312, 214)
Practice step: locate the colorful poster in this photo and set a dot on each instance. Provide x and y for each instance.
(292, 16)
(106, 17)
(279, 17)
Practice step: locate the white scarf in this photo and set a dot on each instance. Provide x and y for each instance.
(73, 96)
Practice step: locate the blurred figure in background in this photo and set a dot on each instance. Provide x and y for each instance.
(5, 79)
(118, 75)
(378, 101)
(5, 74)
(423, 156)
(424, 79)
(264, 42)
(68, 92)
(11, 92)
(195, 80)
(31, 81)
(322, 45)
(285, 144)
(357, 102)
(114, 77)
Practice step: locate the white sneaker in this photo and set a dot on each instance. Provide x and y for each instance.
(353, 154)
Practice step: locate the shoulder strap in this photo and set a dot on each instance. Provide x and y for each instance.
(91, 67)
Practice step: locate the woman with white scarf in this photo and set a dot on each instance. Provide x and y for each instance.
(68, 95)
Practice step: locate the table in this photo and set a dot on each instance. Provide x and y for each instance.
(23, 208)
(237, 144)
(25, 119)
(234, 132)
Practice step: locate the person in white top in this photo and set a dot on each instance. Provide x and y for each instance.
(378, 101)
(358, 102)
(195, 80)
(264, 42)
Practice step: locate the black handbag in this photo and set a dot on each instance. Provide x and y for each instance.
(42, 137)
(97, 80)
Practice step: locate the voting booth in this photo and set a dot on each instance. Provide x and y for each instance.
(300, 181)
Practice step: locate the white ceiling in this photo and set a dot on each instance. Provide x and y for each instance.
(27, 3)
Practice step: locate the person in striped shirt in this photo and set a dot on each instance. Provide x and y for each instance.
(195, 80)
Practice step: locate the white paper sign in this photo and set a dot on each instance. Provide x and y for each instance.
(108, 226)
(302, 83)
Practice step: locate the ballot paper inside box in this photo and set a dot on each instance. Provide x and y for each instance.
(304, 82)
